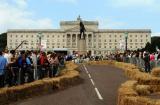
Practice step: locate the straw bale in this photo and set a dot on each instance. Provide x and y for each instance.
(157, 102)
(154, 88)
(39, 87)
(143, 89)
(156, 72)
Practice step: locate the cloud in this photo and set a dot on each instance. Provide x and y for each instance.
(154, 4)
(110, 23)
(15, 15)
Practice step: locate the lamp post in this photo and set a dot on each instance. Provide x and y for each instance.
(23, 42)
(126, 37)
(40, 38)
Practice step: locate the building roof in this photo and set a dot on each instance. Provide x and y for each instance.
(35, 30)
(77, 22)
(125, 30)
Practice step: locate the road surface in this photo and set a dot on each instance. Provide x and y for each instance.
(100, 87)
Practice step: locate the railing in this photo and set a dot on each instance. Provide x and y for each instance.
(140, 62)
(22, 76)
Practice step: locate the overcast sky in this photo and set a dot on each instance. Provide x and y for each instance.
(111, 14)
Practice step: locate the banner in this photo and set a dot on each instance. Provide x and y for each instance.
(43, 44)
(122, 44)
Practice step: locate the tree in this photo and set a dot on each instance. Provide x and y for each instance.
(151, 47)
(148, 47)
(3, 41)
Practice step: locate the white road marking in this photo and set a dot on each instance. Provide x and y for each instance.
(99, 95)
(92, 82)
(89, 76)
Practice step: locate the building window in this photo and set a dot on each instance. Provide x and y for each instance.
(141, 36)
(99, 36)
(141, 40)
(68, 35)
(105, 40)
(130, 35)
(109, 40)
(47, 36)
(115, 40)
(52, 36)
(146, 36)
(16, 36)
(11, 36)
(110, 47)
(130, 40)
(135, 40)
(26, 36)
(115, 36)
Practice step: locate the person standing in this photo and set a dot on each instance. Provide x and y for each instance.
(3, 65)
(147, 62)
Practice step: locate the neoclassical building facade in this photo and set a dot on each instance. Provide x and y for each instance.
(97, 41)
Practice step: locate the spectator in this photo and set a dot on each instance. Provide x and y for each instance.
(3, 65)
(147, 62)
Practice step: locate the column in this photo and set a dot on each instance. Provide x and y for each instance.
(77, 41)
(87, 41)
(71, 40)
(92, 47)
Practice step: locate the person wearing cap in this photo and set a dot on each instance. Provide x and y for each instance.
(3, 65)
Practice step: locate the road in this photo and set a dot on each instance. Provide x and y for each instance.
(100, 87)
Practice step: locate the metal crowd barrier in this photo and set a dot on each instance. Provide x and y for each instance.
(140, 62)
(36, 73)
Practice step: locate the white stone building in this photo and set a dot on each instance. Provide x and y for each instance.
(98, 41)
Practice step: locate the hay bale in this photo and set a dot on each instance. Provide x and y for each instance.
(156, 72)
(126, 90)
(143, 90)
(39, 87)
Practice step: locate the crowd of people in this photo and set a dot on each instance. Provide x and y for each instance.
(26, 66)
(143, 60)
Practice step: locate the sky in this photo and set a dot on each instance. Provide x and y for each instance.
(111, 14)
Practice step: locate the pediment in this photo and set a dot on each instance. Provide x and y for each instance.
(77, 29)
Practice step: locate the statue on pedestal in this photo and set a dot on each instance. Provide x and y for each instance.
(82, 29)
